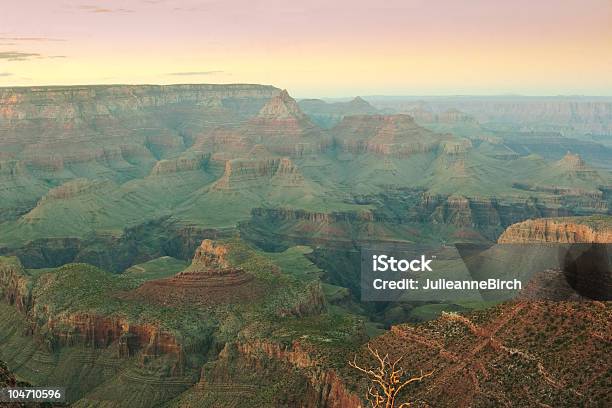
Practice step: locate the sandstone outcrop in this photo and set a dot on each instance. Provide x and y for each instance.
(559, 230)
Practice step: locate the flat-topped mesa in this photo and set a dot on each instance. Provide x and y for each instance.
(596, 229)
(397, 135)
(257, 172)
(69, 102)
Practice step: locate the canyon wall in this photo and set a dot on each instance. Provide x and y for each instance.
(560, 230)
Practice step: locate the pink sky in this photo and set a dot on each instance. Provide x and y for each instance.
(315, 48)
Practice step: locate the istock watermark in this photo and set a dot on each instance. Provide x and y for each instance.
(416, 272)
(495, 272)
(383, 263)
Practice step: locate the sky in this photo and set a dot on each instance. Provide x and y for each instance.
(315, 48)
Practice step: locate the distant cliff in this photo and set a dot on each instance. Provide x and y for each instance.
(118, 124)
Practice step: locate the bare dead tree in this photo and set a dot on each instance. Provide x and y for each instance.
(388, 380)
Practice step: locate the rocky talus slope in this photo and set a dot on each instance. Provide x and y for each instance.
(516, 354)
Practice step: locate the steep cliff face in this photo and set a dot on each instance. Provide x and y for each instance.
(98, 331)
(289, 214)
(474, 216)
(249, 173)
(65, 103)
(562, 230)
(81, 328)
(328, 390)
(15, 284)
(394, 135)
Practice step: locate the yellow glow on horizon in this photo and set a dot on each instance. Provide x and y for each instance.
(311, 70)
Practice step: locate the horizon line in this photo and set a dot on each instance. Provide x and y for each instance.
(420, 95)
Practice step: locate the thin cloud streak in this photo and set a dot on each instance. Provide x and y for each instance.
(103, 10)
(18, 56)
(195, 73)
(25, 56)
(32, 39)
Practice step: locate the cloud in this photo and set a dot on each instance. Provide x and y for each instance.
(24, 56)
(18, 56)
(5, 74)
(195, 73)
(32, 39)
(103, 10)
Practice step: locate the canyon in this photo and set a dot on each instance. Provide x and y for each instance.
(188, 245)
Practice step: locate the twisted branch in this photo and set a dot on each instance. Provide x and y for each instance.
(387, 378)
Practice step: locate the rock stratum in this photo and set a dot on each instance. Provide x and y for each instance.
(560, 230)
